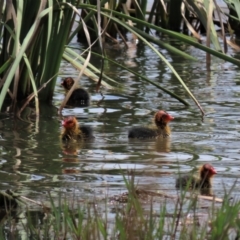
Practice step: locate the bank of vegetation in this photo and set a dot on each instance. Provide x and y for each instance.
(135, 214)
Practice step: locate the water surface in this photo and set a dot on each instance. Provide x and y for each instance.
(34, 162)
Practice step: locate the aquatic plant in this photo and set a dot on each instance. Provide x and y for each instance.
(136, 215)
(33, 37)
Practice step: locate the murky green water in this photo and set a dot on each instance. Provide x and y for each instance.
(33, 162)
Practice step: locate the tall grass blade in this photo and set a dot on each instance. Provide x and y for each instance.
(19, 57)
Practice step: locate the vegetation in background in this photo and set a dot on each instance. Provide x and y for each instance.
(36, 35)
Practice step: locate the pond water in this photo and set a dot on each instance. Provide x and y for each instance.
(33, 161)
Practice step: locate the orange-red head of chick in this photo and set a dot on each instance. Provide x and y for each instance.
(67, 83)
(69, 122)
(72, 130)
(207, 171)
(162, 118)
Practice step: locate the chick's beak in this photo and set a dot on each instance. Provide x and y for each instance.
(170, 117)
(213, 170)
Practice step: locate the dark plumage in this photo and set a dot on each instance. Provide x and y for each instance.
(72, 130)
(142, 132)
(203, 180)
(79, 97)
(161, 119)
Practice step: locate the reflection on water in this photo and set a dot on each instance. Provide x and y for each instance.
(34, 161)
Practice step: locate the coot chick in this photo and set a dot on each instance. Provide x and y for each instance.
(72, 130)
(203, 180)
(80, 97)
(161, 119)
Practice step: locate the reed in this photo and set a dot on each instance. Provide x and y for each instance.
(136, 216)
(35, 36)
